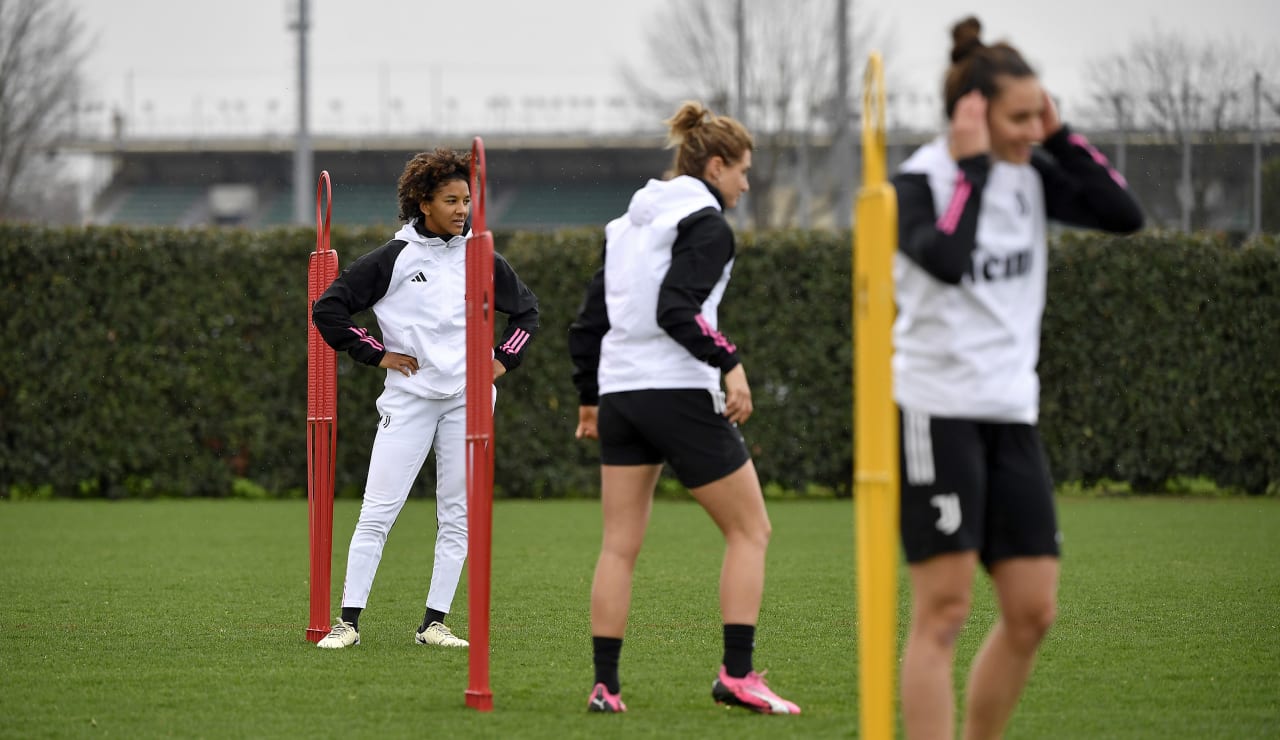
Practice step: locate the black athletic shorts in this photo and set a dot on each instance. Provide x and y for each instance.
(686, 428)
(974, 485)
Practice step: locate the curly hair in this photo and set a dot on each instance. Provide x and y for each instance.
(425, 173)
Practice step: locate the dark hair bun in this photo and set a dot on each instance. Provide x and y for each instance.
(966, 37)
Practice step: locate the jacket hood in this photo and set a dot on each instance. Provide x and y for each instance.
(661, 196)
(409, 232)
(932, 157)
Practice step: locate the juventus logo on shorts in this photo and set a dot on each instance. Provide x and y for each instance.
(948, 512)
(386, 421)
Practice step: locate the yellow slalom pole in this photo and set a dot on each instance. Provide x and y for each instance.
(875, 240)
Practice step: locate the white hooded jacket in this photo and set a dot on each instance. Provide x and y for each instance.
(637, 353)
(416, 286)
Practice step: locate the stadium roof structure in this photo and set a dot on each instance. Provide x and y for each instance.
(536, 180)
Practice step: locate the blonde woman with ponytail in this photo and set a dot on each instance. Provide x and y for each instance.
(649, 363)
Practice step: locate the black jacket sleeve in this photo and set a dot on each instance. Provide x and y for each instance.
(585, 335)
(1081, 189)
(703, 246)
(359, 286)
(513, 297)
(942, 246)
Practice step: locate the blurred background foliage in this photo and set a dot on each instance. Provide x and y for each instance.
(172, 362)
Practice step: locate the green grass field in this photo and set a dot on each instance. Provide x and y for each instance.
(187, 619)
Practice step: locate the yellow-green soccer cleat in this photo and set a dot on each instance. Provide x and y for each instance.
(438, 634)
(342, 635)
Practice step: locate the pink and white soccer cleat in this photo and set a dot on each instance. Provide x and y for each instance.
(750, 692)
(602, 701)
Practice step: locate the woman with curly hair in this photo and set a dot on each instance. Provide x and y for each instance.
(970, 278)
(416, 286)
(648, 365)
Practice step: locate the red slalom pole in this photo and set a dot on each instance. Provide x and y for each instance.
(322, 418)
(479, 435)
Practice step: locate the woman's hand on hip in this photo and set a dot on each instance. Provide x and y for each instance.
(587, 423)
(403, 364)
(737, 395)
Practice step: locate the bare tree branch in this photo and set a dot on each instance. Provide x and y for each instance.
(41, 51)
(790, 78)
(1168, 82)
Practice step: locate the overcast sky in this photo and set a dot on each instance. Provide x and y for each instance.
(172, 63)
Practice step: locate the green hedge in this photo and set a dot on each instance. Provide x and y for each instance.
(146, 362)
(1161, 358)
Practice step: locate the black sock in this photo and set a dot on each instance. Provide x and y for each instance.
(739, 641)
(352, 614)
(432, 615)
(605, 652)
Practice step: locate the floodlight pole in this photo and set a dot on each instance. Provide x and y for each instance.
(302, 166)
(1257, 155)
(842, 119)
(742, 213)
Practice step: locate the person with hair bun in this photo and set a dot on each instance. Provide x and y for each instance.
(970, 277)
(649, 359)
(416, 286)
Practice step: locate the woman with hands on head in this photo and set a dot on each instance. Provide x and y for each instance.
(416, 286)
(970, 277)
(648, 358)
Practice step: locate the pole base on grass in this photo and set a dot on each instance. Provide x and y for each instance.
(316, 634)
(481, 700)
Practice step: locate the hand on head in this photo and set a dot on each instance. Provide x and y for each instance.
(1049, 116)
(969, 135)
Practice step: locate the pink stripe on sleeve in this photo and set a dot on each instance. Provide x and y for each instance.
(366, 339)
(708, 331)
(515, 342)
(951, 217)
(1099, 157)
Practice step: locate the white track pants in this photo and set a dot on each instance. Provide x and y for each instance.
(408, 427)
